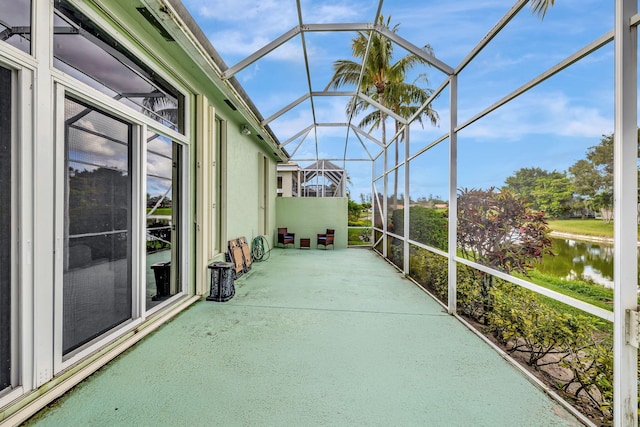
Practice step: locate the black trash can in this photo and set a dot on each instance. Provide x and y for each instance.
(222, 288)
(162, 273)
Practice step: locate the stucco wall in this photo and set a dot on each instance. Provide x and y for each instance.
(244, 182)
(308, 216)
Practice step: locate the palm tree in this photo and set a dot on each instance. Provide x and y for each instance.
(383, 81)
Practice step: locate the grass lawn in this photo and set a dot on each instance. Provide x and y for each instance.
(589, 227)
(354, 239)
(592, 293)
(161, 211)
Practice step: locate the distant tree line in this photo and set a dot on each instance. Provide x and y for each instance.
(586, 188)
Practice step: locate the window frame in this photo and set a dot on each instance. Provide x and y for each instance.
(22, 181)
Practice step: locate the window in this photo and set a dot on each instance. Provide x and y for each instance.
(5, 226)
(97, 284)
(15, 24)
(89, 54)
(163, 209)
(219, 184)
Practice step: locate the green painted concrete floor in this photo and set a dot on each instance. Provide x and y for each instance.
(331, 338)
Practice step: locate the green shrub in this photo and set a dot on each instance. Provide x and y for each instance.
(522, 323)
(426, 225)
(430, 270)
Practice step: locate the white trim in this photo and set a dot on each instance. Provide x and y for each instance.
(15, 58)
(24, 148)
(138, 219)
(43, 196)
(58, 211)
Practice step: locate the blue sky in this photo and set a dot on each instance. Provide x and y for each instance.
(550, 127)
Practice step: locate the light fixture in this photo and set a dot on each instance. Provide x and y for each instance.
(245, 130)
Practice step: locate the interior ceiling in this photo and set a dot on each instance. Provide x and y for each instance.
(309, 119)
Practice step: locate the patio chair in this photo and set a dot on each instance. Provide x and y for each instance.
(285, 238)
(326, 239)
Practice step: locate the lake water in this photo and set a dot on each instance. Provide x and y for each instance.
(575, 259)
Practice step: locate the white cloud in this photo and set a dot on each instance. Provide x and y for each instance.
(328, 13)
(266, 15)
(550, 113)
(244, 43)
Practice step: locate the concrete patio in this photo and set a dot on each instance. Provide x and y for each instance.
(315, 337)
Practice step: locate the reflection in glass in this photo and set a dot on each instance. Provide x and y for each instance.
(5, 227)
(90, 55)
(15, 24)
(579, 260)
(97, 287)
(161, 213)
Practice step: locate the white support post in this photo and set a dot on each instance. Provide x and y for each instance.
(47, 247)
(625, 158)
(385, 202)
(373, 203)
(406, 249)
(453, 200)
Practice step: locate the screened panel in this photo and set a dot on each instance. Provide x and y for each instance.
(377, 201)
(395, 251)
(15, 24)
(378, 166)
(545, 156)
(97, 288)
(425, 133)
(5, 227)
(377, 238)
(430, 270)
(395, 222)
(428, 183)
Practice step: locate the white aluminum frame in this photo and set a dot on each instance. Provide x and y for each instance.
(625, 219)
(22, 77)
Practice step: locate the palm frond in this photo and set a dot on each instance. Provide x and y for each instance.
(384, 80)
(540, 7)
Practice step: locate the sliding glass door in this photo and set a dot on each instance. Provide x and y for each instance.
(162, 218)
(97, 282)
